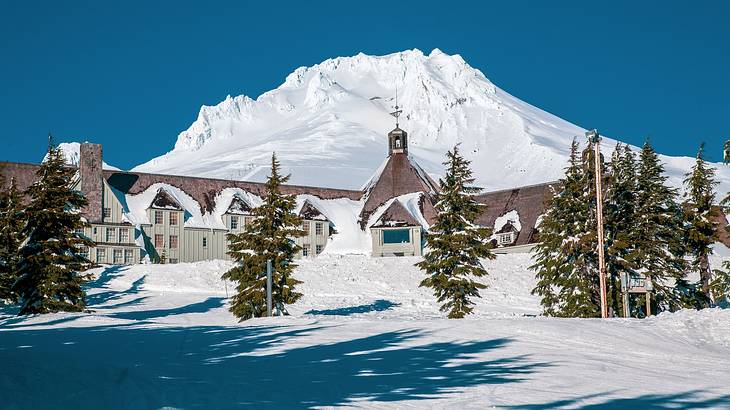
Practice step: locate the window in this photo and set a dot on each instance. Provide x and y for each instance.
(111, 234)
(318, 249)
(505, 238)
(173, 218)
(159, 217)
(84, 252)
(305, 250)
(100, 255)
(128, 256)
(396, 236)
(319, 228)
(397, 142)
(94, 230)
(106, 212)
(124, 235)
(173, 241)
(172, 260)
(117, 256)
(80, 231)
(205, 242)
(159, 240)
(305, 227)
(234, 222)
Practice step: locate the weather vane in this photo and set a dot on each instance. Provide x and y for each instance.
(397, 111)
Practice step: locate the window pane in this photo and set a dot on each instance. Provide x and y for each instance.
(100, 255)
(159, 241)
(173, 218)
(159, 217)
(124, 235)
(173, 241)
(111, 234)
(396, 236)
(319, 228)
(234, 222)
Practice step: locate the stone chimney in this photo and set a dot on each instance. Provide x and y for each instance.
(92, 185)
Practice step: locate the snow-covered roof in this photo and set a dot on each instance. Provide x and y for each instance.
(405, 209)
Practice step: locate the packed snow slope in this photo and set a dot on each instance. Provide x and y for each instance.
(328, 124)
(363, 335)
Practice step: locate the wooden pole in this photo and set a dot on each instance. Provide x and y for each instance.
(596, 139)
(647, 295)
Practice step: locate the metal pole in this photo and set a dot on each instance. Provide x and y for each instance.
(268, 288)
(596, 139)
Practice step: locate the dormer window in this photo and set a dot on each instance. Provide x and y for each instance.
(506, 238)
(234, 222)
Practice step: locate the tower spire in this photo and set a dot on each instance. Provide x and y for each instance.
(397, 111)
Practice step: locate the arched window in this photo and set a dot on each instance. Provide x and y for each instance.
(397, 142)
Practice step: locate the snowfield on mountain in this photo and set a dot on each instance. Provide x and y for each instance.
(363, 335)
(328, 125)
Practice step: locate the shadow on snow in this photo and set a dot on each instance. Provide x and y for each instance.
(676, 401)
(223, 367)
(377, 306)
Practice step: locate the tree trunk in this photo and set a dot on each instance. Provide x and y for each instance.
(705, 276)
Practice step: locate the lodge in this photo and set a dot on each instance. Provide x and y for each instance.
(135, 217)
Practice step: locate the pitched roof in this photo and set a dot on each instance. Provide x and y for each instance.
(396, 215)
(163, 200)
(528, 201)
(239, 206)
(309, 211)
(398, 176)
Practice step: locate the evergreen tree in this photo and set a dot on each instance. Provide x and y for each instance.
(456, 243)
(657, 241)
(566, 256)
(11, 225)
(699, 219)
(619, 222)
(269, 237)
(48, 274)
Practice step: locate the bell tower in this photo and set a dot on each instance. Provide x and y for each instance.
(397, 139)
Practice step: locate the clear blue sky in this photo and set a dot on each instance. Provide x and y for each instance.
(132, 75)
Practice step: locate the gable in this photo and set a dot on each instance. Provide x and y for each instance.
(396, 215)
(163, 200)
(310, 211)
(239, 206)
(398, 177)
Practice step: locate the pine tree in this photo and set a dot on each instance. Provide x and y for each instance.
(699, 219)
(269, 237)
(49, 278)
(456, 243)
(620, 215)
(657, 241)
(11, 225)
(566, 257)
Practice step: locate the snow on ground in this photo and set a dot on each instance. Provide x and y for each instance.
(363, 335)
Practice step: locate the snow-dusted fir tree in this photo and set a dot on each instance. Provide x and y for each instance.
(657, 231)
(620, 214)
(11, 224)
(699, 219)
(269, 237)
(456, 243)
(49, 274)
(565, 257)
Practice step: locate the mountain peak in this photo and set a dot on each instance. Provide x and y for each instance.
(328, 124)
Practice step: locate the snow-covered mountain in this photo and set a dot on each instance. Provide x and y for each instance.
(328, 125)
